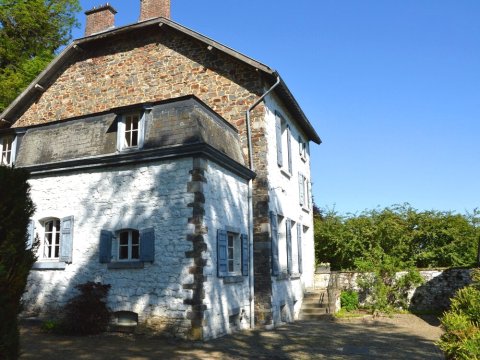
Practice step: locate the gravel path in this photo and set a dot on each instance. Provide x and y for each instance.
(399, 337)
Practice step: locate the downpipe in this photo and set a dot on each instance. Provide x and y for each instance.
(250, 200)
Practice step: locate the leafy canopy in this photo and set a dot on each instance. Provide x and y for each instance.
(31, 31)
(398, 235)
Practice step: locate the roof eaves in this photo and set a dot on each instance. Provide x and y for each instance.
(36, 84)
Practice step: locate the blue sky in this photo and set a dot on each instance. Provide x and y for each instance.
(392, 88)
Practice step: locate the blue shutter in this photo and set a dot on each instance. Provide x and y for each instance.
(301, 190)
(300, 145)
(66, 239)
(274, 229)
(245, 254)
(147, 245)
(278, 130)
(30, 234)
(289, 245)
(222, 261)
(105, 246)
(299, 242)
(289, 149)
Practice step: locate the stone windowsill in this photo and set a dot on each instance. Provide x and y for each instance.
(49, 265)
(285, 173)
(286, 276)
(125, 265)
(233, 279)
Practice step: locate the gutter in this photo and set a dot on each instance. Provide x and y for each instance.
(250, 199)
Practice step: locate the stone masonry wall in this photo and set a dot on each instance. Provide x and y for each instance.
(225, 206)
(433, 295)
(135, 196)
(283, 199)
(163, 64)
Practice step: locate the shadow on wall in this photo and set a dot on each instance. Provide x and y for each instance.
(138, 197)
(435, 294)
(143, 196)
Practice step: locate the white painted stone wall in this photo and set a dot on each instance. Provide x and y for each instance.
(135, 196)
(284, 200)
(226, 204)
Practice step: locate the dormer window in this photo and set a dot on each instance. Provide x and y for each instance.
(7, 150)
(130, 131)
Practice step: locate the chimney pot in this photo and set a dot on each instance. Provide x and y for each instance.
(99, 19)
(150, 9)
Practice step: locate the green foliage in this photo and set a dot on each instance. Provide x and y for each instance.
(50, 326)
(16, 260)
(397, 236)
(349, 300)
(87, 313)
(461, 339)
(30, 34)
(384, 291)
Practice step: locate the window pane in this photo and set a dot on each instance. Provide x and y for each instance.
(123, 252)
(230, 266)
(124, 238)
(135, 237)
(135, 252)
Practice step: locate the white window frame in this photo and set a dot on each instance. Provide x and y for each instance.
(55, 237)
(307, 200)
(129, 245)
(282, 245)
(234, 257)
(10, 147)
(303, 149)
(287, 155)
(122, 131)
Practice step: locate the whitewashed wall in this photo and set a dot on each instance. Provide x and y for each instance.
(284, 200)
(225, 205)
(136, 196)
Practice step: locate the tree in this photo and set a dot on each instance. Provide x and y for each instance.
(16, 259)
(397, 235)
(31, 31)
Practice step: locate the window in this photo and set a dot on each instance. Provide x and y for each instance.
(129, 245)
(304, 192)
(7, 150)
(286, 245)
(51, 242)
(232, 253)
(127, 248)
(130, 131)
(56, 243)
(284, 144)
(302, 148)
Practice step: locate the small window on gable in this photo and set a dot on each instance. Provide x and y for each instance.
(7, 150)
(130, 131)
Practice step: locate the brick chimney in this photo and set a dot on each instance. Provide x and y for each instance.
(100, 18)
(150, 9)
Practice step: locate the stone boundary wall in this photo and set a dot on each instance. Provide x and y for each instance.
(434, 295)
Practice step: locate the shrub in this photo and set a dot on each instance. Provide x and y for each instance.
(349, 300)
(87, 313)
(16, 260)
(384, 291)
(461, 339)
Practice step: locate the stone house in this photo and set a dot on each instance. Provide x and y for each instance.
(171, 167)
